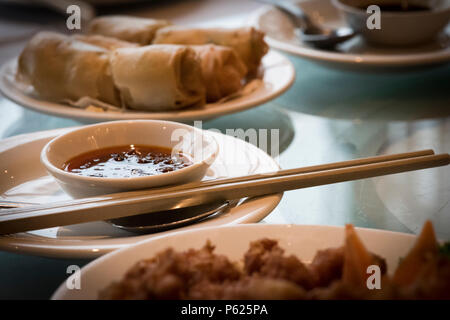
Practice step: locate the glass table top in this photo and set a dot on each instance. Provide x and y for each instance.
(326, 116)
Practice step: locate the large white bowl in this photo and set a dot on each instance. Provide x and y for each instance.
(195, 143)
(302, 241)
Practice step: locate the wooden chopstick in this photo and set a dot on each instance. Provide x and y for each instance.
(138, 202)
(328, 166)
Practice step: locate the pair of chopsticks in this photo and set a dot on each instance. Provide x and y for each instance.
(123, 204)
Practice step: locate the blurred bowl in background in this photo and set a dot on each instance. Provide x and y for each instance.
(399, 27)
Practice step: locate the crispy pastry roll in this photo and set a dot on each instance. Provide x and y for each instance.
(158, 77)
(411, 266)
(356, 260)
(222, 70)
(248, 42)
(107, 43)
(127, 28)
(60, 67)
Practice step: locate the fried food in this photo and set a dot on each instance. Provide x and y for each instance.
(268, 273)
(248, 42)
(107, 43)
(158, 77)
(127, 28)
(222, 70)
(60, 67)
(142, 64)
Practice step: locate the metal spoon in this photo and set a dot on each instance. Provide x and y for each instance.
(165, 220)
(307, 31)
(155, 221)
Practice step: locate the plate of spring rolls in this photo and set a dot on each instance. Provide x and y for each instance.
(258, 262)
(138, 68)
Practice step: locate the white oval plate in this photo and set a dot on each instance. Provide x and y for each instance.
(353, 54)
(278, 76)
(233, 241)
(24, 178)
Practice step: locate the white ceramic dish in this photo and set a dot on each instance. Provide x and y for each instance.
(354, 54)
(233, 241)
(24, 178)
(397, 28)
(201, 148)
(279, 75)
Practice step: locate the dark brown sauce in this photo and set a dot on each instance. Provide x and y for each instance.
(126, 162)
(400, 8)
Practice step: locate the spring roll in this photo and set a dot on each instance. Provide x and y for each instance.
(60, 67)
(107, 43)
(127, 28)
(222, 70)
(158, 77)
(248, 42)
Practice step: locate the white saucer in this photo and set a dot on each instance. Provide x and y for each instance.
(352, 54)
(278, 76)
(233, 241)
(24, 178)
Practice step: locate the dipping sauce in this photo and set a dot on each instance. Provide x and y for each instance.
(126, 162)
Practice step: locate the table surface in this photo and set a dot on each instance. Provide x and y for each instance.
(326, 116)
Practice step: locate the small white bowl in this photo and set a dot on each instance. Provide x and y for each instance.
(397, 28)
(195, 143)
